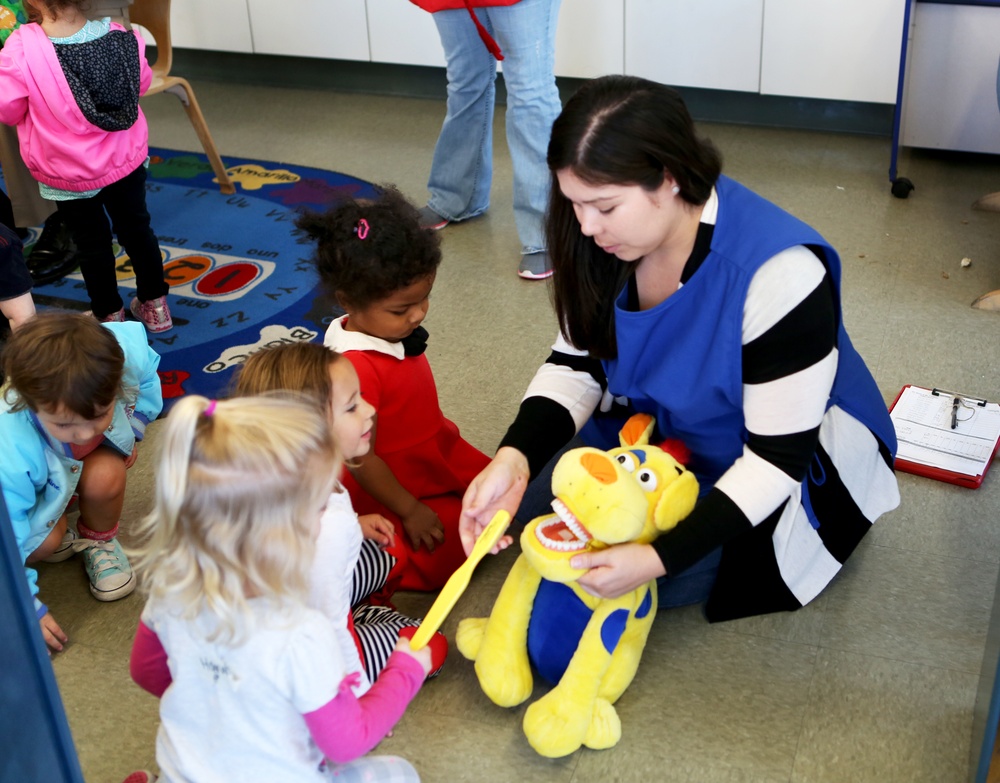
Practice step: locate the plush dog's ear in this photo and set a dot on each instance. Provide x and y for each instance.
(677, 501)
(637, 430)
(677, 449)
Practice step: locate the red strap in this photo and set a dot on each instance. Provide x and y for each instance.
(483, 33)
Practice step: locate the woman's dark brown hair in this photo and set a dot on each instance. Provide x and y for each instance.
(616, 130)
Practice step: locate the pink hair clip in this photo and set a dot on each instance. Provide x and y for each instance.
(362, 228)
(210, 409)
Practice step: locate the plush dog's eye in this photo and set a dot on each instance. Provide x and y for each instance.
(627, 461)
(647, 480)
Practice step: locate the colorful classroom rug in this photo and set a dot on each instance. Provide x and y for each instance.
(238, 269)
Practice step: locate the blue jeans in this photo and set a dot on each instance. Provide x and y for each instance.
(462, 170)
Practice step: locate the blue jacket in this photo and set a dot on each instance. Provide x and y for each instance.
(38, 474)
(681, 361)
(693, 382)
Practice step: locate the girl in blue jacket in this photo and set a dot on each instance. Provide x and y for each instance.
(76, 398)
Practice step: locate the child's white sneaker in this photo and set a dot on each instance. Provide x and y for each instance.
(107, 567)
(65, 550)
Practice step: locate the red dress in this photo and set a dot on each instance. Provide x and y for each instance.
(422, 448)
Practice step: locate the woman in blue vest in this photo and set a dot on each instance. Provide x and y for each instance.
(682, 294)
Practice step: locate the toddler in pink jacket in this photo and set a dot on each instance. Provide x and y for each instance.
(71, 86)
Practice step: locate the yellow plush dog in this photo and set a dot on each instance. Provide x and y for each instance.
(590, 647)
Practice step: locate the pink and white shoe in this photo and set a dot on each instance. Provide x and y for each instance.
(155, 313)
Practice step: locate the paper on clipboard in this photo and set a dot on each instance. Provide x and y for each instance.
(923, 428)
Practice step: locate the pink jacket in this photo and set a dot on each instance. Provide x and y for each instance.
(59, 145)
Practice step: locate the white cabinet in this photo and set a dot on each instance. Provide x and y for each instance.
(833, 49)
(337, 29)
(222, 25)
(828, 49)
(695, 43)
(590, 39)
(400, 32)
(951, 79)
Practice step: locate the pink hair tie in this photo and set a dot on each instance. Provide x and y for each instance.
(362, 228)
(210, 409)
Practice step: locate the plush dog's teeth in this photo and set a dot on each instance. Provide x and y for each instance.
(562, 533)
(563, 512)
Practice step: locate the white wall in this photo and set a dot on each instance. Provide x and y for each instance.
(834, 49)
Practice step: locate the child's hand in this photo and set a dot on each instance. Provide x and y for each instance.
(52, 633)
(423, 527)
(378, 529)
(130, 459)
(423, 655)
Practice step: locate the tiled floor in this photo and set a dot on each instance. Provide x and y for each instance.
(875, 681)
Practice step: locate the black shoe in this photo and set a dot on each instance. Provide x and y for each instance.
(53, 256)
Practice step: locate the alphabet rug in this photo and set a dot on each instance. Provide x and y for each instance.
(238, 268)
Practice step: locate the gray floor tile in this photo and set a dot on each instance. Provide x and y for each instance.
(113, 721)
(912, 607)
(874, 720)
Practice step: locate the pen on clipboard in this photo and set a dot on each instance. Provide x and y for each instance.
(954, 412)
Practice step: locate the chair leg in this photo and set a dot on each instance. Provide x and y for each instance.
(183, 91)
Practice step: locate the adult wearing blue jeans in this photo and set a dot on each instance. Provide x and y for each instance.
(462, 169)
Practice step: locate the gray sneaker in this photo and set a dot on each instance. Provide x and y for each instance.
(535, 266)
(430, 219)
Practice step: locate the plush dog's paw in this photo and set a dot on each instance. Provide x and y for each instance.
(554, 727)
(469, 637)
(605, 726)
(505, 679)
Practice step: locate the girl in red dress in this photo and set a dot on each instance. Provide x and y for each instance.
(377, 262)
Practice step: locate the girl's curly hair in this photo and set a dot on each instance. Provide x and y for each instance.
(368, 249)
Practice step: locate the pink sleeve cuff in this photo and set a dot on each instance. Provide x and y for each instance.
(347, 727)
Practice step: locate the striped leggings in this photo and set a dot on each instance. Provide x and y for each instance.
(377, 627)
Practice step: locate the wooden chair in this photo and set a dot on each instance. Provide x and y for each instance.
(154, 16)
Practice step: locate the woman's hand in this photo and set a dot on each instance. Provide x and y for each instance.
(500, 485)
(618, 569)
(422, 526)
(378, 529)
(52, 633)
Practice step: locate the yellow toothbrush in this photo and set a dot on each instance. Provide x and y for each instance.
(459, 580)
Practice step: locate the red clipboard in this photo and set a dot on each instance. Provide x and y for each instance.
(941, 474)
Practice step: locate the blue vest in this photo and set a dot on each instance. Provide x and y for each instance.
(681, 361)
